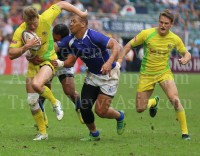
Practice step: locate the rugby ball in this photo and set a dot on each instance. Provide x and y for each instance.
(30, 35)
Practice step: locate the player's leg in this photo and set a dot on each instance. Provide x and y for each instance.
(89, 95)
(108, 89)
(44, 75)
(104, 110)
(41, 104)
(145, 89)
(169, 87)
(142, 100)
(35, 109)
(67, 81)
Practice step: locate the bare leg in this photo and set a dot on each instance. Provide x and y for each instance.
(142, 100)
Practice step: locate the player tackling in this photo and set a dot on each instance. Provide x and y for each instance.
(38, 75)
(158, 43)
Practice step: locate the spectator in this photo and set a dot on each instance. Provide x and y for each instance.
(6, 44)
(196, 51)
(193, 50)
(1, 38)
(37, 5)
(198, 46)
(79, 5)
(5, 7)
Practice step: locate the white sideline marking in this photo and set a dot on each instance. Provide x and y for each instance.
(12, 82)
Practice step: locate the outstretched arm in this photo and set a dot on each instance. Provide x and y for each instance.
(68, 63)
(68, 7)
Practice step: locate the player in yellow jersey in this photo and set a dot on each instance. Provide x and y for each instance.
(38, 75)
(158, 43)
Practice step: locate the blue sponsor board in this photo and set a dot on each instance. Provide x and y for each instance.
(126, 26)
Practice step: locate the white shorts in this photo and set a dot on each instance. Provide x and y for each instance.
(108, 85)
(62, 72)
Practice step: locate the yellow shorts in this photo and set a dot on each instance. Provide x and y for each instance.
(34, 69)
(147, 82)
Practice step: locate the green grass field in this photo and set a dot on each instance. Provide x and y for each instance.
(145, 136)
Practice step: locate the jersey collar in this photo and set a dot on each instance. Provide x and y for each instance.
(83, 36)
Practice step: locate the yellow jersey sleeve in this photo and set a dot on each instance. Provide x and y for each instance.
(17, 38)
(50, 14)
(139, 39)
(180, 46)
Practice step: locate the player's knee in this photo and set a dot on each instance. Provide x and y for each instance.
(140, 110)
(100, 112)
(32, 98)
(175, 100)
(69, 93)
(87, 115)
(36, 86)
(34, 107)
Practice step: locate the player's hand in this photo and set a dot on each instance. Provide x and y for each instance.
(120, 62)
(36, 60)
(32, 42)
(54, 63)
(84, 14)
(57, 63)
(182, 61)
(106, 68)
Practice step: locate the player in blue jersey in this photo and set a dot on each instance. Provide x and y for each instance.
(102, 76)
(65, 75)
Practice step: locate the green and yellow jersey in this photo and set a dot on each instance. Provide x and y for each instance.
(44, 31)
(157, 50)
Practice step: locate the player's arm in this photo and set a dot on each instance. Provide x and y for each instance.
(71, 59)
(116, 48)
(185, 59)
(182, 49)
(68, 7)
(15, 52)
(68, 63)
(56, 47)
(36, 60)
(138, 40)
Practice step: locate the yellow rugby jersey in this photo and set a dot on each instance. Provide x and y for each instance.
(157, 50)
(44, 31)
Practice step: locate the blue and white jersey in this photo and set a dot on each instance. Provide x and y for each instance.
(91, 49)
(62, 54)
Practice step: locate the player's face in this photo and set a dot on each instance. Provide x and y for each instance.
(56, 37)
(164, 25)
(75, 25)
(32, 25)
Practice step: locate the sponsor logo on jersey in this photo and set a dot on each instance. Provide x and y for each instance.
(45, 33)
(111, 89)
(151, 51)
(134, 39)
(169, 46)
(14, 42)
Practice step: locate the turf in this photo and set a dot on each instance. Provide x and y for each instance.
(143, 136)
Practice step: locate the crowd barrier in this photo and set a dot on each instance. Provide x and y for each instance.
(20, 65)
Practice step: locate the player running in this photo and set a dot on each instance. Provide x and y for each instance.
(39, 75)
(65, 75)
(158, 43)
(102, 76)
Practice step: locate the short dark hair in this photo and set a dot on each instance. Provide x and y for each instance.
(82, 19)
(167, 13)
(61, 29)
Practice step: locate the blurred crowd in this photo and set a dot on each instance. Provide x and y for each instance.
(186, 12)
